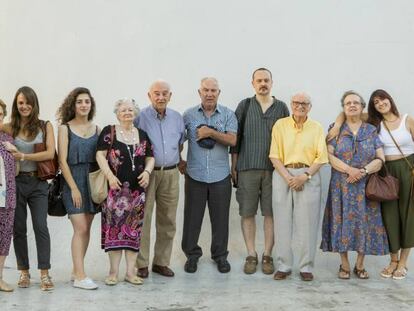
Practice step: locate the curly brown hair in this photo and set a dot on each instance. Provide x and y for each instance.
(33, 125)
(67, 111)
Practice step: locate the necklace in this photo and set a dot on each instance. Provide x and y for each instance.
(131, 155)
(133, 139)
(131, 133)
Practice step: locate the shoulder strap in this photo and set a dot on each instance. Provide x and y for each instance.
(44, 129)
(242, 123)
(398, 147)
(67, 125)
(244, 115)
(112, 136)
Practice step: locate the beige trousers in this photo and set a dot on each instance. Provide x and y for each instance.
(299, 210)
(163, 191)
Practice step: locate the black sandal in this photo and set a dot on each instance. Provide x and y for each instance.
(344, 274)
(361, 273)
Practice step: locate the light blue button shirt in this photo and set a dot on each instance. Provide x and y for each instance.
(208, 165)
(166, 134)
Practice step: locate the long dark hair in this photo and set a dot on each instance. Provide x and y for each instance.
(374, 117)
(32, 127)
(67, 110)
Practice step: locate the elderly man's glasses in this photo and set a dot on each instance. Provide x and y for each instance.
(298, 104)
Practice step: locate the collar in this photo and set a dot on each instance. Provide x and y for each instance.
(156, 114)
(218, 108)
(295, 125)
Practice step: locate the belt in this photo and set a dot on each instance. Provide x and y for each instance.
(165, 168)
(297, 165)
(32, 174)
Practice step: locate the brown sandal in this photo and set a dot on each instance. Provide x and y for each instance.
(361, 273)
(24, 280)
(46, 283)
(344, 274)
(388, 271)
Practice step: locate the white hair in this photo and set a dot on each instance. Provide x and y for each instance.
(302, 94)
(129, 101)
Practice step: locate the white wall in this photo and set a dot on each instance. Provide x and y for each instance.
(116, 48)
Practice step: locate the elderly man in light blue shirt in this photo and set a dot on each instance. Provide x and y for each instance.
(165, 128)
(211, 129)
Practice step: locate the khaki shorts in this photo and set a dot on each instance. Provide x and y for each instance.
(254, 186)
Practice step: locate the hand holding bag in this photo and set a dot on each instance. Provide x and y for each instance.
(46, 169)
(382, 188)
(97, 180)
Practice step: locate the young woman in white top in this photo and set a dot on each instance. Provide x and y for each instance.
(398, 215)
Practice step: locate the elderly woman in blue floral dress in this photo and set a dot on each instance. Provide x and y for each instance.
(127, 161)
(352, 222)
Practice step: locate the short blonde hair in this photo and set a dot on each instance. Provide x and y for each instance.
(129, 101)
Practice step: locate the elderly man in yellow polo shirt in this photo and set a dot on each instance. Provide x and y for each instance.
(297, 152)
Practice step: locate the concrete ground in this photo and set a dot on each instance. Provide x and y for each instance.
(207, 289)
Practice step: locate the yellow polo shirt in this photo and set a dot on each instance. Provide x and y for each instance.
(291, 144)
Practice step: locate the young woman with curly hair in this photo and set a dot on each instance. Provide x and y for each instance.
(77, 139)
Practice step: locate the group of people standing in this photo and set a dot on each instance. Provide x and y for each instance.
(275, 162)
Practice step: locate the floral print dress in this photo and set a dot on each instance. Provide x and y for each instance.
(7, 194)
(123, 210)
(351, 222)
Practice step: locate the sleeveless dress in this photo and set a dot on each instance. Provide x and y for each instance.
(123, 210)
(81, 155)
(8, 194)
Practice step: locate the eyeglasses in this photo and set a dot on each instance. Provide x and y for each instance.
(303, 104)
(355, 103)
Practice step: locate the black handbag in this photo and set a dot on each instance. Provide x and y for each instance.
(55, 199)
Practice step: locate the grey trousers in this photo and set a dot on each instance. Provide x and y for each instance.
(299, 209)
(33, 192)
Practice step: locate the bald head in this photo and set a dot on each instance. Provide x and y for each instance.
(160, 94)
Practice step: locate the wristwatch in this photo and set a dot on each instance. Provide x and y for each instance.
(308, 175)
(366, 171)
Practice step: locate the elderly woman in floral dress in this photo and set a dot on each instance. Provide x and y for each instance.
(126, 158)
(7, 198)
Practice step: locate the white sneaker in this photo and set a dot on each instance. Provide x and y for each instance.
(86, 283)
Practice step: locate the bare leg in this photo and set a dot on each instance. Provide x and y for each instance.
(344, 273)
(405, 252)
(2, 260)
(130, 258)
(269, 235)
(81, 234)
(114, 260)
(248, 225)
(401, 271)
(360, 261)
(389, 270)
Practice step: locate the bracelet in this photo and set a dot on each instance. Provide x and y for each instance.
(149, 173)
(22, 159)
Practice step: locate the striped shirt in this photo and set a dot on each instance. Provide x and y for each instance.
(255, 143)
